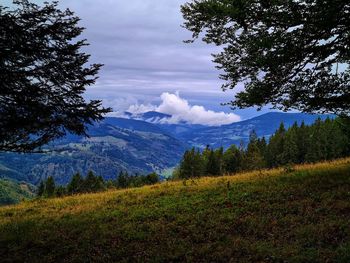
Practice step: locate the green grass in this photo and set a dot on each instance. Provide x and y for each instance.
(266, 216)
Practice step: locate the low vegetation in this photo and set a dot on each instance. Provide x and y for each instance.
(300, 214)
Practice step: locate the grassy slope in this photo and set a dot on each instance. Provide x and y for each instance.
(12, 192)
(270, 216)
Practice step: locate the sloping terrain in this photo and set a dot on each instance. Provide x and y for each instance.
(136, 146)
(267, 216)
(12, 192)
(114, 145)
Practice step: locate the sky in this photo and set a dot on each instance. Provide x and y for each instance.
(147, 66)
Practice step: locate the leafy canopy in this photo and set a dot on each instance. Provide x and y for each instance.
(43, 75)
(291, 54)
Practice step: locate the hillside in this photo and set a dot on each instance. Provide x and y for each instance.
(114, 145)
(12, 192)
(135, 145)
(267, 216)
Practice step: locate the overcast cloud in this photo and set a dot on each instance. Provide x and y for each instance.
(141, 44)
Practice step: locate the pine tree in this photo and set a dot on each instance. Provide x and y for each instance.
(93, 183)
(76, 184)
(50, 187)
(191, 165)
(122, 180)
(41, 189)
(253, 158)
(290, 150)
(303, 141)
(213, 164)
(276, 147)
(232, 160)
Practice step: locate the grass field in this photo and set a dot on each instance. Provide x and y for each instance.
(302, 215)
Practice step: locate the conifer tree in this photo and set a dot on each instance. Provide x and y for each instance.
(213, 165)
(191, 165)
(41, 189)
(50, 187)
(122, 180)
(76, 184)
(232, 160)
(290, 150)
(253, 158)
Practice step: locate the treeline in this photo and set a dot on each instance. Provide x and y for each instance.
(92, 184)
(323, 140)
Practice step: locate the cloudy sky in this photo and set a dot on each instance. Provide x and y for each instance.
(146, 62)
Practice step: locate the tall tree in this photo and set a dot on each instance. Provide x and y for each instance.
(232, 160)
(50, 187)
(43, 75)
(76, 184)
(192, 164)
(288, 54)
(41, 189)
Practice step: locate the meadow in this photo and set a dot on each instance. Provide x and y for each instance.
(294, 214)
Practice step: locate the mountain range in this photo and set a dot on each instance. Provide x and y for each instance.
(137, 144)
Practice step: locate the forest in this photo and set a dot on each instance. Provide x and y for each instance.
(323, 140)
(92, 184)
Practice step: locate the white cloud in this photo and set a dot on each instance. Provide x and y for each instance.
(182, 111)
(141, 108)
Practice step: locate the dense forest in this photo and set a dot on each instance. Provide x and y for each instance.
(323, 140)
(92, 184)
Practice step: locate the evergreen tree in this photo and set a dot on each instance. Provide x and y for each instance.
(50, 187)
(152, 178)
(122, 180)
(303, 141)
(191, 164)
(44, 72)
(253, 158)
(276, 148)
(41, 189)
(76, 184)
(290, 150)
(93, 183)
(213, 164)
(232, 160)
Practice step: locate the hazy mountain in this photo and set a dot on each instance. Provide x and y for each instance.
(235, 133)
(136, 146)
(114, 145)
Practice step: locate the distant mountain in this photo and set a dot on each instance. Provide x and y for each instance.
(114, 145)
(136, 146)
(235, 133)
(150, 116)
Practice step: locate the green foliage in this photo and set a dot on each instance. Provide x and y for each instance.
(192, 164)
(50, 187)
(287, 53)
(12, 192)
(124, 180)
(76, 184)
(43, 75)
(323, 140)
(92, 184)
(232, 160)
(41, 189)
